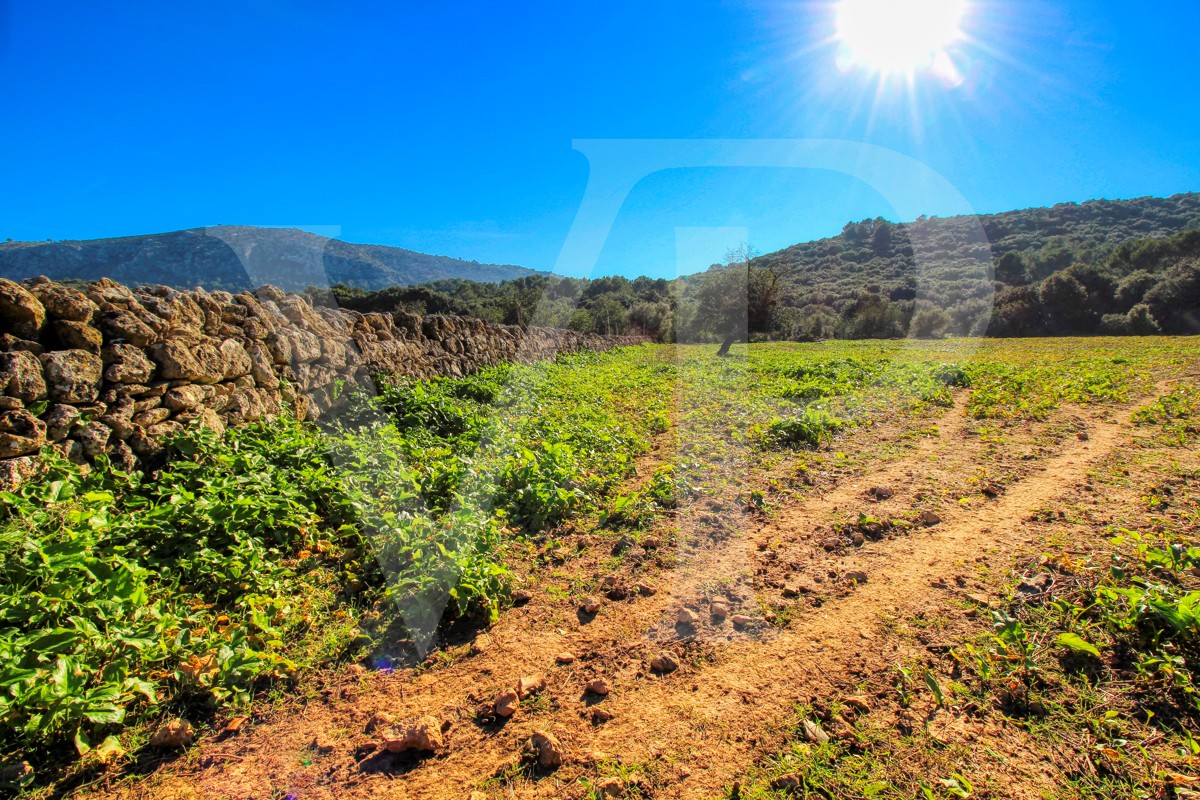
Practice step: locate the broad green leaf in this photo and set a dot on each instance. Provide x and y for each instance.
(1076, 643)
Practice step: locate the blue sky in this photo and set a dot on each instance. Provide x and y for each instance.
(448, 127)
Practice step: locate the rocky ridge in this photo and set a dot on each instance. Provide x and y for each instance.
(111, 370)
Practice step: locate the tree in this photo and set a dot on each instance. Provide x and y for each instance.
(721, 304)
(1064, 302)
(1010, 269)
(1175, 300)
(928, 323)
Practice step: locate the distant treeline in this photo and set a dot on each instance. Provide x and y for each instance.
(1111, 267)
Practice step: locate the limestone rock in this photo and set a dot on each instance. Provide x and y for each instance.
(62, 302)
(123, 325)
(423, 734)
(506, 703)
(21, 376)
(21, 433)
(547, 749)
(195, 362)
(126, 363)
(664, 663)
(21, 314)
(59, 421)
(173, 734)
(237, 360)
(72, 376)
(530, 685)
(77, 335)
(14, 472)
(94, 438)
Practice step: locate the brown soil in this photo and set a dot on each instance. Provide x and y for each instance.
(811, 636)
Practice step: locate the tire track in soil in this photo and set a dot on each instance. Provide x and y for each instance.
(751, 690)
(707, 717)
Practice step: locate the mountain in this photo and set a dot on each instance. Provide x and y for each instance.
(237, 257)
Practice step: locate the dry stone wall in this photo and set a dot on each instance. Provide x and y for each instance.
(110, 370)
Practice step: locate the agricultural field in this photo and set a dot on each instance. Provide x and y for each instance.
(932, 569)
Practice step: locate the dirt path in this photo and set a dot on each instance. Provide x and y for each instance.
(699, 726)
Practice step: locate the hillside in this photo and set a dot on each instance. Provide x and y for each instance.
(234, 258)
(1104, 266)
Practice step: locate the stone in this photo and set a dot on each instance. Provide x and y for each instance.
(21, 314)
(173, 734)
(506, 703)
(21, 433)
(565, 658)
(62, 302)
(813, 732)
(122, 457)
(245, 405)
(124, 326)
(72, 376)
(59, 421)
(880, 493)
(521, 597)
(718, 610)
(121, 427)
(590, 605)
(743, 620)
(547, 749)
(855, 575)
(184, 397)
(530, 685)
(126, 364)
(194, 362)
(151, 417)
(687, 618)
(237, 360)
(15, 472)
(664, 663)
(94, 438)
(601, 716)
(423, 734)
(598, 686)
(21, 376)
(928, 518)
(77, 336)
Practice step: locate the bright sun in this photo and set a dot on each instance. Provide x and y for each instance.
(898, 36)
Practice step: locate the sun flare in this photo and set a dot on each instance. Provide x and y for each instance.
(899, 36)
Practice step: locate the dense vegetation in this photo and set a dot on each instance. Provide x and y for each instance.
(282, 546)
(1115, 267)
